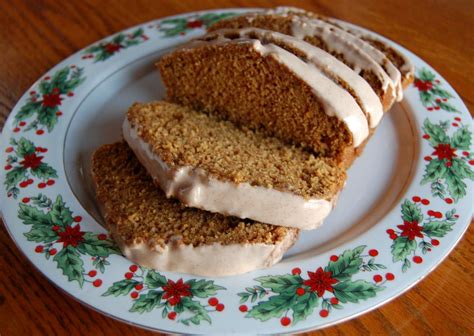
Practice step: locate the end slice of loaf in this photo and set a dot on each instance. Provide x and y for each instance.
(160, 233)
(217, 166)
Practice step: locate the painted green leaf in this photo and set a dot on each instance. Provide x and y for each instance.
(280, 283)
(275, 306)
(195, 307)
(438, 189)
(74, 81)
(426, 98)
(27, 110)
(304, 306)
(154, 279)
(211, 18)
(203, 288)
(411, 212)
(137, 33)
(60, 214)
(447, 107)
(33, 216)
(435, 169)
(354, 291)
(438, 91)
(47, 117)
(25, 147)
(122, 287)
(44, 171)
(347, 264)
(41, 234)
(402, 247)
(426, 75)
(406, 265)
(147, 302)
(41, 201)
(436, 133)
(437, 228)
(456, 186)
(461, 168)
(14, 176)
(461, 139)
(59, 77)
(96, 247)
(70, 262)
(450, 215)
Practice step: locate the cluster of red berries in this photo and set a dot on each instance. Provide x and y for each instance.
(41, 185)
(40, 249)
(214, 302)
(418, 199)
(388, 276)
(87, 56)
(96, 282)
(138, 287)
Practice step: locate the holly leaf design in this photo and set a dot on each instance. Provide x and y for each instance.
(211, 18)
(436, 169)
(447, 107)
(14, 176)
(437, 228)
(60, 214)
(438, 91)
(456, 186)
(203, 288)
(281, 283)
(154, 279)
(96, 247)
(147, 302)
(438, 189)
(33, 216)
(41, 201)
(47, 117)
(195, 307)
(402, 247)
(347, 264)
(304, 306)
(411, 212)
(275, 306)
(436, 133)
(122, 287)
(27, 110)
(426, 75)
(44, 171)
(24, 147)
(460, 168)
(41, 234)
(70, 262)
(426, 98)
(354, 291)
(461, 139)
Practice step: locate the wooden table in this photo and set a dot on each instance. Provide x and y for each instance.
(35, 35)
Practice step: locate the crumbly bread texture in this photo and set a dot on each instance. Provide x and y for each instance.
(282, 22)
(234, 81)
(137, 212)
(181, 137)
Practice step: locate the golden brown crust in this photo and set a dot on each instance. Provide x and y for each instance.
(138, 212)
(182, 137)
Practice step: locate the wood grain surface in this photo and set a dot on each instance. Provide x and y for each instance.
(35, 35)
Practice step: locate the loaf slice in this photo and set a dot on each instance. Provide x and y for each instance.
(359, 55)
(266, 87)
(214, 165)
(160, 233)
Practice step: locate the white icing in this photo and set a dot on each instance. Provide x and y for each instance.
(207, 260)
(331, 66)
(195, 188)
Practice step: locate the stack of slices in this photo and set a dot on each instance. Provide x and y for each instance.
(263, 116)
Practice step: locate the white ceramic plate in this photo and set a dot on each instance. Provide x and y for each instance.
(408, 200)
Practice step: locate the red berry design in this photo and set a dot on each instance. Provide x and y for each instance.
(40, 132)
(172, 315)
(92, 273)
(16, 129)
(378, 278)
(47, 78)
(213, 301)
(373, 253)
(334, 258)
(390, 232)
(416, 199)
(55, 228)
(436, 107)
(102, 236)
(30, 181)
(449, 164)
(393, 236)
(417, 259)
(70, 94)
(77, 219)
(39, 249)
(438, 214)
(8, 149)
(324, 313)
(389, 276)
(296, 271)
(429, 108)
(426, 136)
(133, 268)
(128, 275)
(21, 123)
(448, 200)
(334, 301)
(139, 287)
(220, 307)
(471, 162)
(435, 242)
(465, 153)
(32, 92)
(53, 251)
(25, 199)
(300, 291)
(425, 201)
(455, 124)
(134, 295)
(457, 119)
(50, 182)
(428, 158)
(431, 213)
(285, 321)
(42, 185)
(8, 167)
(97, 283)
(243, 308)
(23, 184)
